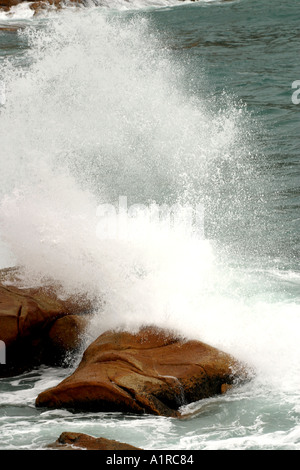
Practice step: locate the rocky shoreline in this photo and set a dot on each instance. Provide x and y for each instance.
(152, 371)
(37, 5)
(40, 5)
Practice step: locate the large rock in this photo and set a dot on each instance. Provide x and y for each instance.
(152, 371)
(28, 326)
(80, 441)
(9, 3)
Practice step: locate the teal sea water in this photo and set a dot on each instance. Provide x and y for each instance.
(160, 102)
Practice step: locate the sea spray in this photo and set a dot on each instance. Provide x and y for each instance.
(102, 111)
(99, 113)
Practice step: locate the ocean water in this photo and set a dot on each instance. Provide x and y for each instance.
(113, 117)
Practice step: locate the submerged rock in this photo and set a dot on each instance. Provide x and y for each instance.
(33, 324)
(80, 441)
(152, 371)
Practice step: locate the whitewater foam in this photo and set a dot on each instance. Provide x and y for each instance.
(17, 12)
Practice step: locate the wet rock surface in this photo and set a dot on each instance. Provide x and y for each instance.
(28, 327)
(152, 371)
(80, 441)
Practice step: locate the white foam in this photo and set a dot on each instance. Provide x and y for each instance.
(17, 12)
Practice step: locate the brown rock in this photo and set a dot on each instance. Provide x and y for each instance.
(37, 5)
(27, 315)
(67, 331)
(152, 372)
(9, 3)
(10, 29)
(225, 388)
(77, 441)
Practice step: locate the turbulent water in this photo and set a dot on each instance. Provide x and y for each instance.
(150, 158)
